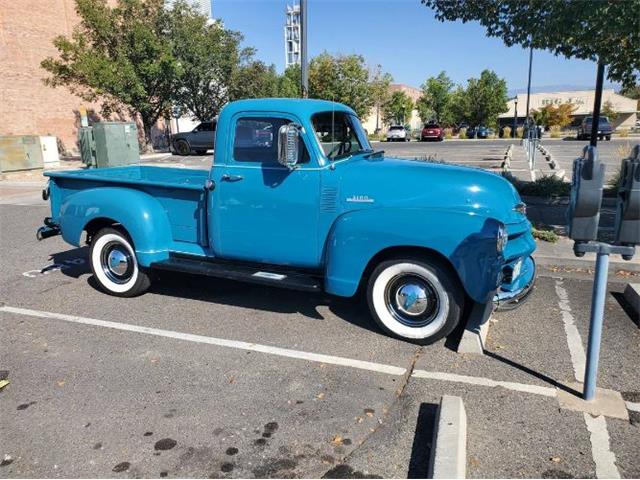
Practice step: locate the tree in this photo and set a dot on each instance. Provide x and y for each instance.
(289, 83)
(458, 105)
(609, 111)
(552, 114)
(121, 57)
(380, 92)
(397, 110)
(588, 29)
(485, 98)
(343, 79)
(254, 79)
(209, 56)
(436, 98)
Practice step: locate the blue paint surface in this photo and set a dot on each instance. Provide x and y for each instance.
(333, 217)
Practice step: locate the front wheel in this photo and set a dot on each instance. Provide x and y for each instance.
(608, 137)
(415, 300)
(114, 264)
(182, 148)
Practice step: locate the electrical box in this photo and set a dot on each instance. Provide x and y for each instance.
(586, 196)
(20, 152)
(627, 224)
(87, 146)
(115, 144)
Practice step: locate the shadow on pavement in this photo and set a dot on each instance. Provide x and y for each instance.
(422, 441)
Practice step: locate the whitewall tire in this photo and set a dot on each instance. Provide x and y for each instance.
(114, 264)
(414, 299)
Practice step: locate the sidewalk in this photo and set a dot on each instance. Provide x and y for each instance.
(519, 166)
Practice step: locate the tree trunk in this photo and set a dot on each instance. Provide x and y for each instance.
(147, 145)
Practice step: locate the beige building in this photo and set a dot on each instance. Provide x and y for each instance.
(369, 123)
(627, 108)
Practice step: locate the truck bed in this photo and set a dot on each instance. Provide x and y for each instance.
(180, 191)
(139, 175)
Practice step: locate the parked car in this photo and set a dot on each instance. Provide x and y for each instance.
(459, 126)
(484, 132)
(604, 128)
(398, 133)
(471, 132)
(199, 140)
(308, 207)
(432, 131)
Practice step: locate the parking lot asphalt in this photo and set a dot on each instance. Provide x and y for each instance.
(203, 377)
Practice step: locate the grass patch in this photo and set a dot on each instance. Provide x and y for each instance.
(462, 134)
(555, 131)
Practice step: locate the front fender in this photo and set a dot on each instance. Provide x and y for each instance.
(467, 240)
(139, 213)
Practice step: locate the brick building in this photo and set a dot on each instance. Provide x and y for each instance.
(27, 106)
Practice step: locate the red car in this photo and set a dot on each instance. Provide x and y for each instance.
(432, 131)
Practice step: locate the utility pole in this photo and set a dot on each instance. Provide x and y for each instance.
(515, 118)
(304, 64)
(529, 83)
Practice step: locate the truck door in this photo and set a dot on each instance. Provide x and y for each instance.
(265, 212)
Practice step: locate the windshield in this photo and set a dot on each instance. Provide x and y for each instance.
(340, 134)
(396, 127)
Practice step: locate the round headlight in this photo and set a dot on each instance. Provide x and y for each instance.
(501, 240)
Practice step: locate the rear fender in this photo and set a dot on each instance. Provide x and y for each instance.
(141, 215)
(466, 240)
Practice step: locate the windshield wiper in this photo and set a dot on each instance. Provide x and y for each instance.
(374, 153)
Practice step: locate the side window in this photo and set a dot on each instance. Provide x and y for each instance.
(256, 141)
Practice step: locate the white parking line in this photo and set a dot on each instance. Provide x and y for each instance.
(603, 457)
(576, 350)
(633, 407)
(221, 342)
(284, 352)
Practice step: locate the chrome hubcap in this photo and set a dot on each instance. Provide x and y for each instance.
(117, 262)
(412, 300)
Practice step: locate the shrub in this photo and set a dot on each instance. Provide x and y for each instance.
(623, 132)
(462, 134)
(506, 132)
(448, 133)
(545, 186)
(555, 131)
(519, 132)
(544, 233)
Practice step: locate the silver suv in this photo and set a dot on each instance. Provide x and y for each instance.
(397, 133)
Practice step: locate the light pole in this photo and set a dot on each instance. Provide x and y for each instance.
(304, 66)
(515, 118)
(529, 82)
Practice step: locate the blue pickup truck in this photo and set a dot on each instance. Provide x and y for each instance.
(297, 198)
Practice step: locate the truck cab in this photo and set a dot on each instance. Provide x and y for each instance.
(297, 198)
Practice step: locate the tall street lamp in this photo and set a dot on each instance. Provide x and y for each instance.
(515, 118)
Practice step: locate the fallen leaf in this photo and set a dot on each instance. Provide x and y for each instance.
(337, 440)
(60, 383)
(555, 459)
(4, 383)
(320, 396)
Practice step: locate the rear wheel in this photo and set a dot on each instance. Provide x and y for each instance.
(608, 137)
(182, 147)
(415, 300)
(114, 264)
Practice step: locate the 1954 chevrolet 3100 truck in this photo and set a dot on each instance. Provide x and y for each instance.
(297, 198)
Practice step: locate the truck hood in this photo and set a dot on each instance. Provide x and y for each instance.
(391, 182)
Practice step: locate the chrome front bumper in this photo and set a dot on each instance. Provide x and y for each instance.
(510, 297)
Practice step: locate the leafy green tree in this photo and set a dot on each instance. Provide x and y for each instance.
(436, 98)
(397, 110)
(289, 83)
(608, 31)
(485, 99)
(121, 57)
(609, 111)
(343, 79)
(551, 114)
(380, 92)
(254, 79)
(209, 55)
(459, 106)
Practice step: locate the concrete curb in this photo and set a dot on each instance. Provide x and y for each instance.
(632, 295)
(475, 332)
(585, 263)
(449, 446)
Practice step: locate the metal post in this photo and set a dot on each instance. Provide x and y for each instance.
(515, 118)
(529, 84)
(304, 66)
(595, 118)
(595, 328)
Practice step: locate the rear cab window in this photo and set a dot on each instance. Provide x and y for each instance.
(256, 141)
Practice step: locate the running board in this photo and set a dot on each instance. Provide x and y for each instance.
(241, 273)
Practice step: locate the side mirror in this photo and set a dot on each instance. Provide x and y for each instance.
(288, 141)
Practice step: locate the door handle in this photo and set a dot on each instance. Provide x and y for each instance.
(231, 178)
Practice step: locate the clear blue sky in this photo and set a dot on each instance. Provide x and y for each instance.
(401, 35)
